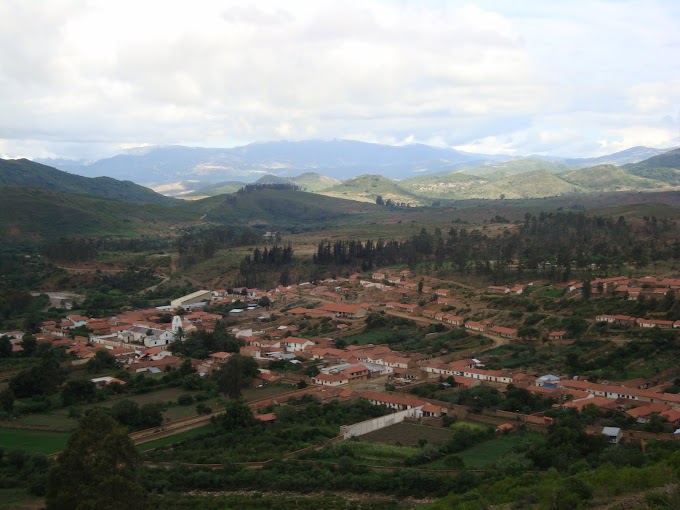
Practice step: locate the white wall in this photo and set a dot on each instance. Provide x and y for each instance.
(364, 427)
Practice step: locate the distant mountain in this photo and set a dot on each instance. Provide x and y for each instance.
(628, 156)
(610, 178)
(22, 172)
(339, 159)
(664, 167)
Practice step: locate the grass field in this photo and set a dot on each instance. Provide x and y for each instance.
(486, 454)
(33, 441)
(408, 434)
(56, 419)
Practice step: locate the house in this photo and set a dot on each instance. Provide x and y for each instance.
(294, 344)
(613, 434)
(557, 335)
(106, 380)
(650, 323)
(475, 326)
(220, 357)
(331, 379)
(344, 310)
(503, 332)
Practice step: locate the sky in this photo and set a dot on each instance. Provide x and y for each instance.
(88, 79)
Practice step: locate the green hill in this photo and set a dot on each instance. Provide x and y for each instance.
(35, 215)
(366, 188)
(664, 167)
(518, 166)
(451, 185)
(23, 172)
(610, 178)
(534, 184)
(273, 208)
(313, 182)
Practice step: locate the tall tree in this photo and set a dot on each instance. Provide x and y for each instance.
(98, 469)
(236, 373)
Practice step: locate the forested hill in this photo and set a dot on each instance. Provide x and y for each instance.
(23, 172)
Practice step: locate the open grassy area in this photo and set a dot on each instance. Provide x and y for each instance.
(33, 441)
(56, 419)
(408, 434)
(486, 454)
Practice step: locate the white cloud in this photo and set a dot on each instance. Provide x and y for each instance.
(101, 75)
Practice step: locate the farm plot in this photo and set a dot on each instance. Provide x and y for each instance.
(408, 434)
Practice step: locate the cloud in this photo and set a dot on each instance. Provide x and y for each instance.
(103, 75)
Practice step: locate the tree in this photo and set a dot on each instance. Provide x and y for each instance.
(379, 200)
(78, 390)
(236, 373)
(126, 412)
(5, 347)
(237, 415)
(103, 360)
(98, 469)
(587, 289)
(264, 302)
(7, 398)
(30, 344)
(43, 379)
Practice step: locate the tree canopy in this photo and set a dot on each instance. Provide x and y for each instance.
(99, 469)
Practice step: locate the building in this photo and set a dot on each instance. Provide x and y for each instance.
(199, 296)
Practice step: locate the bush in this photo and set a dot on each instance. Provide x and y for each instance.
(185, 400)
(202, 408)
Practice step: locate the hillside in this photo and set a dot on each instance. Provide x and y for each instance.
(180, 189)
(534, 184)
(367, 188)
(34, 215)
(664, 167)
(610, 178)
(451, 185)
(627, 156)
(22, 172)
(314, 182)
(518, 166)
(276, 209)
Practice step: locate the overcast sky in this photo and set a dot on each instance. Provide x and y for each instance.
(86, 79)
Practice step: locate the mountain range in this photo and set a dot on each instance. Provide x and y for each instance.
(338, 159)
(40, 202)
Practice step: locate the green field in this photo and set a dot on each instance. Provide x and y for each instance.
(408, 434)
(33, 441)
(56, 419)
(487, 453)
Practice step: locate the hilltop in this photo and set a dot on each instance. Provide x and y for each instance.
(23, 172)
(367, 188)
(610, 178)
